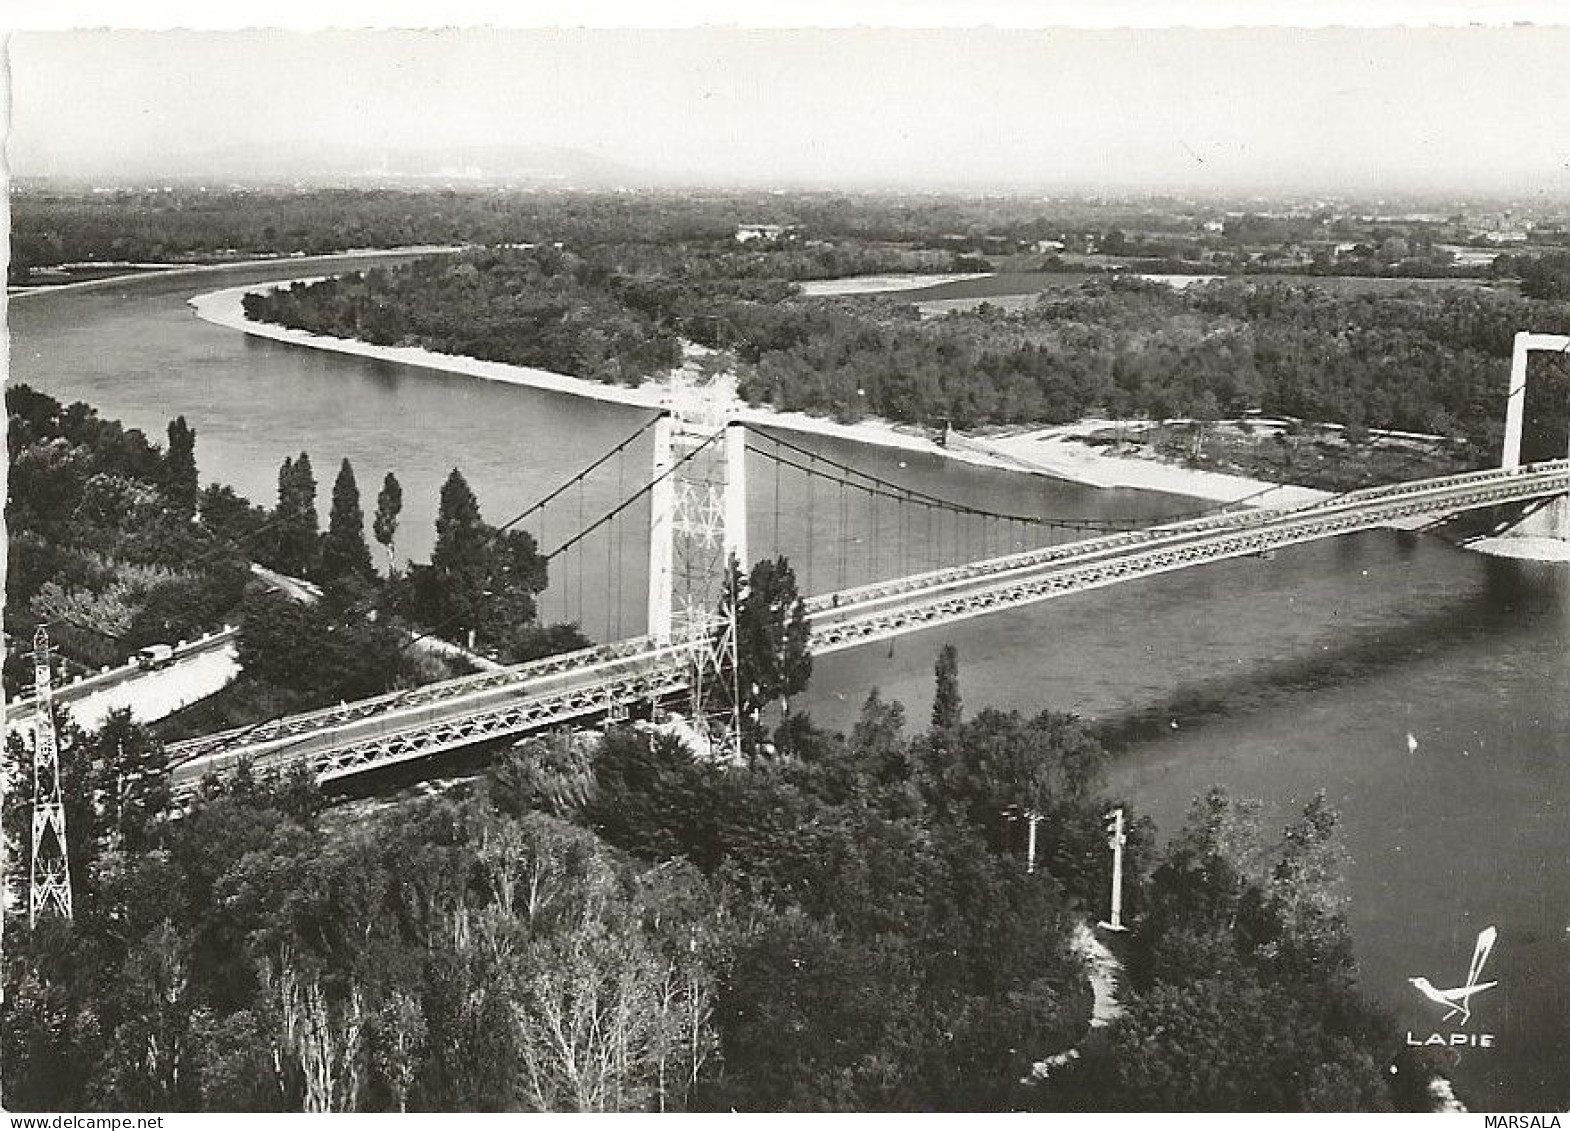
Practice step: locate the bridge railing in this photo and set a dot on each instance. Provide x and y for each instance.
(292, 725)
(1045, 554)
(388, 738)
(879, 590)
(879, 619)
(1334, 514)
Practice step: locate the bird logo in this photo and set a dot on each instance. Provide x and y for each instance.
(1459, 1000)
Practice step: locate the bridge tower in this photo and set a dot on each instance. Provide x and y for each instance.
(50, 887)
(1554, 519)
(698, 526)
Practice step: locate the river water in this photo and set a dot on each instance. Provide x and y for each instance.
(1319, 669)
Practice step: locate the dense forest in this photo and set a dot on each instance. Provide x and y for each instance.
(182, 223)
(51, 226)
(101, 542)
(114, 545)
(840, 923)
(541, 308)
(1431, 361)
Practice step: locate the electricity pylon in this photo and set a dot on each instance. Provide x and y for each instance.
(50, 887)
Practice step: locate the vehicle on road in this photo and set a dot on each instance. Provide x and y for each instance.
(154, 656)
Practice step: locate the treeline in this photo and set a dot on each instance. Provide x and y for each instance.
(359, 633)
(188, 222)
(1423, 360)
(837, 924)
(776, 261)
(196, 223)
(1544, 277)
(102, 540)
(539, 307)
(114, 545)
(1418, 361)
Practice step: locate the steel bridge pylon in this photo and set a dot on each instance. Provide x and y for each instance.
(698, 527)
(1554, 519)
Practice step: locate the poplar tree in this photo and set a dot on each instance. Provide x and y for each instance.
(181, 486)
(296, 545)
(946, 706)
(384, 526)
(344, 552)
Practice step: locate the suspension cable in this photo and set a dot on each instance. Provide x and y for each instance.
(621, 544)
(586, 472)
(903, 493)
(630, 499)
(811, 514)
(843, 539)
(915, 493)
(776, 508)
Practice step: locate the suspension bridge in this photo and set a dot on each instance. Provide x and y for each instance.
(885, 558)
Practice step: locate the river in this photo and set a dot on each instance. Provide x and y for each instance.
(1275, 678)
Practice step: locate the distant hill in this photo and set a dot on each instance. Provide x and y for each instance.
(537, 165)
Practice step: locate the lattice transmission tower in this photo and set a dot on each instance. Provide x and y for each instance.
(50, 887)
(698, 526)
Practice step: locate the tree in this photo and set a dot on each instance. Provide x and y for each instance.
(231, 517)
(478, 569)
(553, 773)
(1229, 938)
(1005, 766)
(946, 706)
(344, 555)
(460, 563)
(816, 1020)
(322, 1042)
(773, 661)
(312, 649)
(181, 485)
(399, 1035)
(515, 573)
(152, 1060)
(1307, 897)
(384, 526)
(651, 798)
(1209, 882)
(295, 545)
(133, 781)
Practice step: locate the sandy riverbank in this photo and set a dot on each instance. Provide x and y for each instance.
(1056, 452)
(1061, 450)
(882, 284)
(223, 308)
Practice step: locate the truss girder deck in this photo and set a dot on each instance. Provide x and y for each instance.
(368, 744)
(389, 729)
(256, 738)
(891, 611)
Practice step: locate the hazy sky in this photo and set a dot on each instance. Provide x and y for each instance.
(1269, 108)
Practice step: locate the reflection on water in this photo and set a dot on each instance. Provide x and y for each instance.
(1283, 677)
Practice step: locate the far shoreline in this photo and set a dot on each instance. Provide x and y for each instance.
(142, 273)
(223, 308)
(1046, 451)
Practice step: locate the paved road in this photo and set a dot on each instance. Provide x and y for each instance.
(199, 670)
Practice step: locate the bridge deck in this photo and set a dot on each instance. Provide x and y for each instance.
(389, 729)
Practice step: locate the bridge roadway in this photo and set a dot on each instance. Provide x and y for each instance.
(368, 734)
